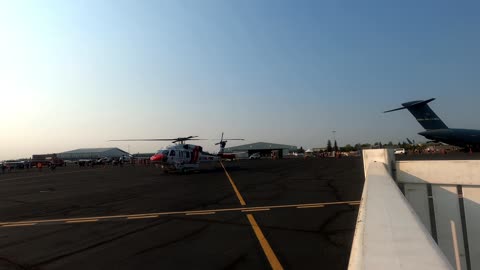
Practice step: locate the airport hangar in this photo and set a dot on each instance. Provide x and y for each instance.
(92, 153)
(264, 148)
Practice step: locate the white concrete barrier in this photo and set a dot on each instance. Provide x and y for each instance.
(378, 155)
(446, 196)
(389, 235)
(446, 172)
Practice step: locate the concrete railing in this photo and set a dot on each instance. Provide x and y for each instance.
(445, 194)
(389, 235)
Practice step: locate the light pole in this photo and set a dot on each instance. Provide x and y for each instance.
(334, 138)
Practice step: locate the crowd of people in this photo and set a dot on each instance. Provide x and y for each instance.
(10, 167)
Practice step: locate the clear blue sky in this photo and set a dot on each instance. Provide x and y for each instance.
(78, 73)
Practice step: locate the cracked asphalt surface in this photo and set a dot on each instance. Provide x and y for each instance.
(301, 238)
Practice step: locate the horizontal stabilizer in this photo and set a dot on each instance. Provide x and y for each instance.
(411, 104)
(397, 109)
(423, 113)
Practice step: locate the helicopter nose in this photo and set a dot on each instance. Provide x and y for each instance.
(156, 157)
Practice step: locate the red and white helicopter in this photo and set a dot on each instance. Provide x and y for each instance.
(185, 157)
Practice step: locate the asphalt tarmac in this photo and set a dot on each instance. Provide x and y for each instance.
(300, 214)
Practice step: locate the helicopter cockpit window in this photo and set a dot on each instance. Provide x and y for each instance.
(172, 153)
(187, 154)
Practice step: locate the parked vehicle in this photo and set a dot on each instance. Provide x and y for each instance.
(46, 160)
(255, 156)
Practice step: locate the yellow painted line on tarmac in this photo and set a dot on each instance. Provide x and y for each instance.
(19, 225)
(142, 217)
(239, 196)
(256, 210)
(267, 249)
(311, 206)
(82, 220)
(158, 214)
(200, 213)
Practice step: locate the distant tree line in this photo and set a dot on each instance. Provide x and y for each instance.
(330, 148)
(360, 146)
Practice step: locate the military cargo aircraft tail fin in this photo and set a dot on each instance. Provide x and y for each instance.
(423, 113)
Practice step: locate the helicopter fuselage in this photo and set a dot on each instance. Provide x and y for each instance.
(183, 157)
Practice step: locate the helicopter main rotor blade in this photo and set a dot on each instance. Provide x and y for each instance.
(226, 139)
(141, 140)
(179, 139)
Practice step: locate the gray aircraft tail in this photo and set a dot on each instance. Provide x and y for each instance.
(424, 115)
